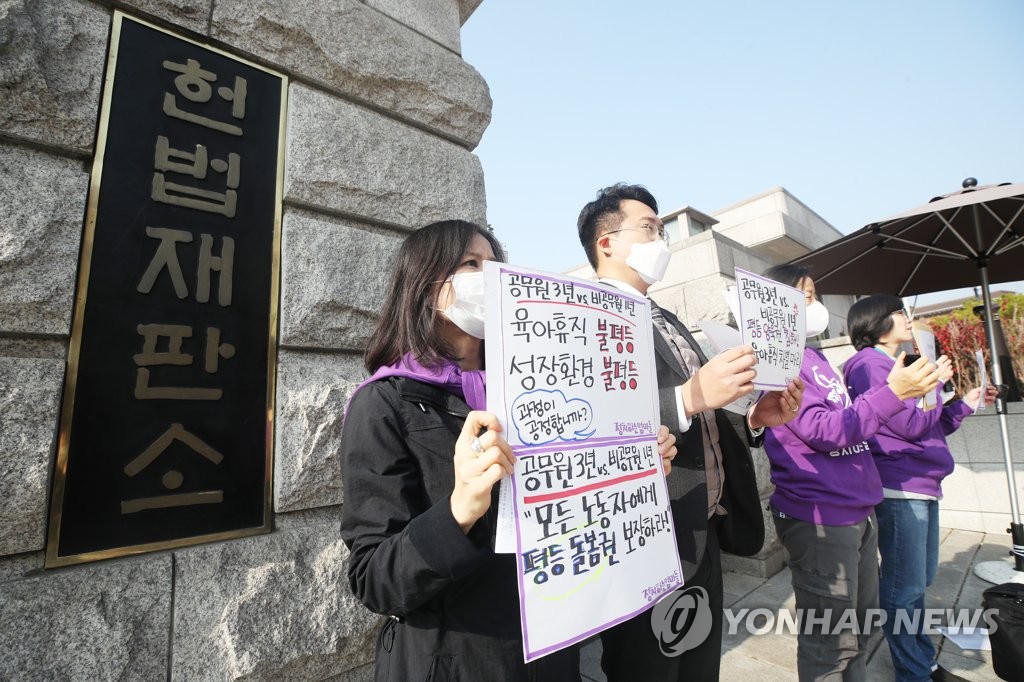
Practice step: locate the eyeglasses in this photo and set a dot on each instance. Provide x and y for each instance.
(652, 232)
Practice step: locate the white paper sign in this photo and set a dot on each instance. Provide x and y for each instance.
(967, 638)
(925, 342)
(570, 375)
(732, 299)
(721, 336)
(772, 319)
(505, 529)
(979, 357)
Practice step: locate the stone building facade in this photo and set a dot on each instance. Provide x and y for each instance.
(383, 115)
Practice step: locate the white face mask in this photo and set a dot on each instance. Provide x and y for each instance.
(649, 260)
(817, 319)
(467, 310)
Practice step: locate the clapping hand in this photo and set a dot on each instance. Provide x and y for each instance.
(914, 380)
(945, 366)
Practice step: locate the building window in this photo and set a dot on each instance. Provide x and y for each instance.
(672, 229)
(696, 226)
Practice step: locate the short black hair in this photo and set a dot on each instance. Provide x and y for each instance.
(408, 320)
(603, 214)
(870, 319)
(788, 274)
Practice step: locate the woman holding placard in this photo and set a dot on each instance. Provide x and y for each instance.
(912, 458)
(826, 489)
(420, 461)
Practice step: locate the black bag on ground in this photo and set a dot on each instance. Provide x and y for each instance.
(1008, 638)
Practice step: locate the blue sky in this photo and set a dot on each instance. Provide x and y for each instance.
(861, 110)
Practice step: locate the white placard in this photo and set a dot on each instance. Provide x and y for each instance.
(732, 299)
(772, 319)
(570, 375)
(979, 357)
(721, 336)
(925, 342)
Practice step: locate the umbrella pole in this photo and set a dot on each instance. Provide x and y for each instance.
(1016, 529)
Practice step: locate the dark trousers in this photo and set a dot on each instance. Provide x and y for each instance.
(631, 649)
(835, 573)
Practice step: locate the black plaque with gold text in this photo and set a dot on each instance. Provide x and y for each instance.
(166, 427)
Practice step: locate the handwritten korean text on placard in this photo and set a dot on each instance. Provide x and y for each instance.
(571, 375)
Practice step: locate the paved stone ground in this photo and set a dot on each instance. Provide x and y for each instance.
(772, 657)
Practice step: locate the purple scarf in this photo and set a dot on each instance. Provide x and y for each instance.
(468, 385)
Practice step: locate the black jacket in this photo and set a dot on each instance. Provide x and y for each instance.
(742, 529)
(454, 602)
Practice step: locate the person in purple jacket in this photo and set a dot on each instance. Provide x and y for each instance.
(826, 489)
(912, 458)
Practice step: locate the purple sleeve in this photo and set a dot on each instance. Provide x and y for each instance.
(953, 416)
(824, 428)
(911, 422)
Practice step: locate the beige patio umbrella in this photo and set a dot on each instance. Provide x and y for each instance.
(972, 237)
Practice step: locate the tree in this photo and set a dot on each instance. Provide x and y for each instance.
(961, 333)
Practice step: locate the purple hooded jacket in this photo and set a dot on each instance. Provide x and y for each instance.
(910, 451)
(821, 463)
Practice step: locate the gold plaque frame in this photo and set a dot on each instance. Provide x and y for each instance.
(52, 559)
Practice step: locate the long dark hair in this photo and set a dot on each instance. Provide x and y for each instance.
(870, 319)
(408, 321)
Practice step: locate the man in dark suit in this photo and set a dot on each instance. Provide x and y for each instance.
(713, 491)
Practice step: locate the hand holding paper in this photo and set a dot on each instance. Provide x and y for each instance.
(773, 408)
(726, 377)
(974, 397)
(478, 468)
(722, 337)
(777, 407)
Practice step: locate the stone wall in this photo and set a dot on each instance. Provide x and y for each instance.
(976, 495)
(383, 116)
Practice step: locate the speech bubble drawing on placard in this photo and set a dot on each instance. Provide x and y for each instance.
(544, 416)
